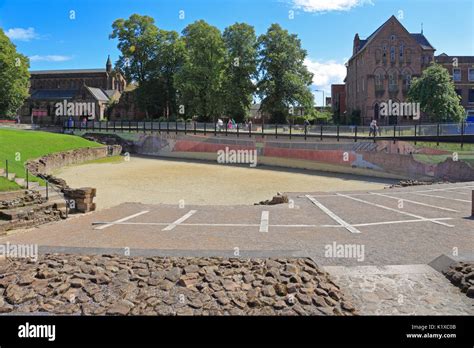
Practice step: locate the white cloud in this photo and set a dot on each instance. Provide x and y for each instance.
(49, 58)
(329, 5)
(326, 73)
(21, 34)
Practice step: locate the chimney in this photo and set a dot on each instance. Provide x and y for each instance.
(356, 44)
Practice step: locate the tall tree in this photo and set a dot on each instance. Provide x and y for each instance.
(435, 92)
(284, 79)
(14, 77)
(199, 82)
(240, 69)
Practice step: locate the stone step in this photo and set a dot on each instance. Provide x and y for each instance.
(20, 182)
(26, 212)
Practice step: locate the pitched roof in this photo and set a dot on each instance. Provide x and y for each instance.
(418, 37)
(53, 94)
(67, 71)
(98, 94)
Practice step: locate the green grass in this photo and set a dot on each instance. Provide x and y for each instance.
(447, 146)
(7, 185)
(18, 146)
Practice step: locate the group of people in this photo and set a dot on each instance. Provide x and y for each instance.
(374, 128)
(231, 124)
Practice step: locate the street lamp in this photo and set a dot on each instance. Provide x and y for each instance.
(324, 100)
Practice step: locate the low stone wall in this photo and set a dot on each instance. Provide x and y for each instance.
(461, 274)
(120, 285)
(51, 162)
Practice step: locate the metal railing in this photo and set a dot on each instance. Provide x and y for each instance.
(440, 132)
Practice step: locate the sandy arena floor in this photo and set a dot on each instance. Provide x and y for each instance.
(152, 180)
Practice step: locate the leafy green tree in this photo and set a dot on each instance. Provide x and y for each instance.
(199, 82)
(240, 69)
(284, 79)
(435, 92)
(14, 77)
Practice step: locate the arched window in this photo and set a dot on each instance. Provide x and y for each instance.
(392, 54)
(393, 81)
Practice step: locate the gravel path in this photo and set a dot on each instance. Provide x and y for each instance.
(152, 180)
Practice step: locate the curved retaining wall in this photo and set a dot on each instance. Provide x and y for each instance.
(381, 159)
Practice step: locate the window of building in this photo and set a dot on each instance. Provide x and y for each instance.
(471, 96)
(471, 74)
(392, 37)
(392, 54)
(406, 80)
(401, 50)
(392, 81)
(457, 75)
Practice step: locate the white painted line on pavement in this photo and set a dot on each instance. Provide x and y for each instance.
(180, 220)
(442, 197)
(395, 210)
(333, 216)
(414, 202)
(121, 220)
(264, 221)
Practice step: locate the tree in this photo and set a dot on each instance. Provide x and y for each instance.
(199, 82)
(14, 77)
(240, 68)
(284, 79)
(435, 92)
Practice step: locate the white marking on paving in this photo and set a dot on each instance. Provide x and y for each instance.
(121, 220)
(264, 221)
(333, 216)
(414, 202)
(278, 225)
(396, 210)
(442, 197)
(180, 220)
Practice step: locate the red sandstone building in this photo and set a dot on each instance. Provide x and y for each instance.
(381, 69)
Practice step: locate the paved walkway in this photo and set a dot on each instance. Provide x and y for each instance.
(401, 290)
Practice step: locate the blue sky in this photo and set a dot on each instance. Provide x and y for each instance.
(44, 31)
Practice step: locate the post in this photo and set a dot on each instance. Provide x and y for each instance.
(305, 131)
(394, 132)
(204, 128)
(194, 123)
(250, 130)
(215, 129)
(337, 132)
(47, 190)
(185, 128)
(6, 169)
(159, 126)
(462, 134)
(121, 125)
(27, 179)
(237, 130)
(437, 135)
(290, 130)
(137, 125)
(415, 133)
(472, 204)
(321, 138)
(355, 134)
(151, 126)
(226, 128)
(263, 127)
(167, 126)
(276, 131)
(176, 126)
(144, 126)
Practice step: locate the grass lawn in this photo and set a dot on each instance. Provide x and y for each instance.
(18, 146)
(7, 185)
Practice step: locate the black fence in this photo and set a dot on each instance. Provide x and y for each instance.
(442, 132)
